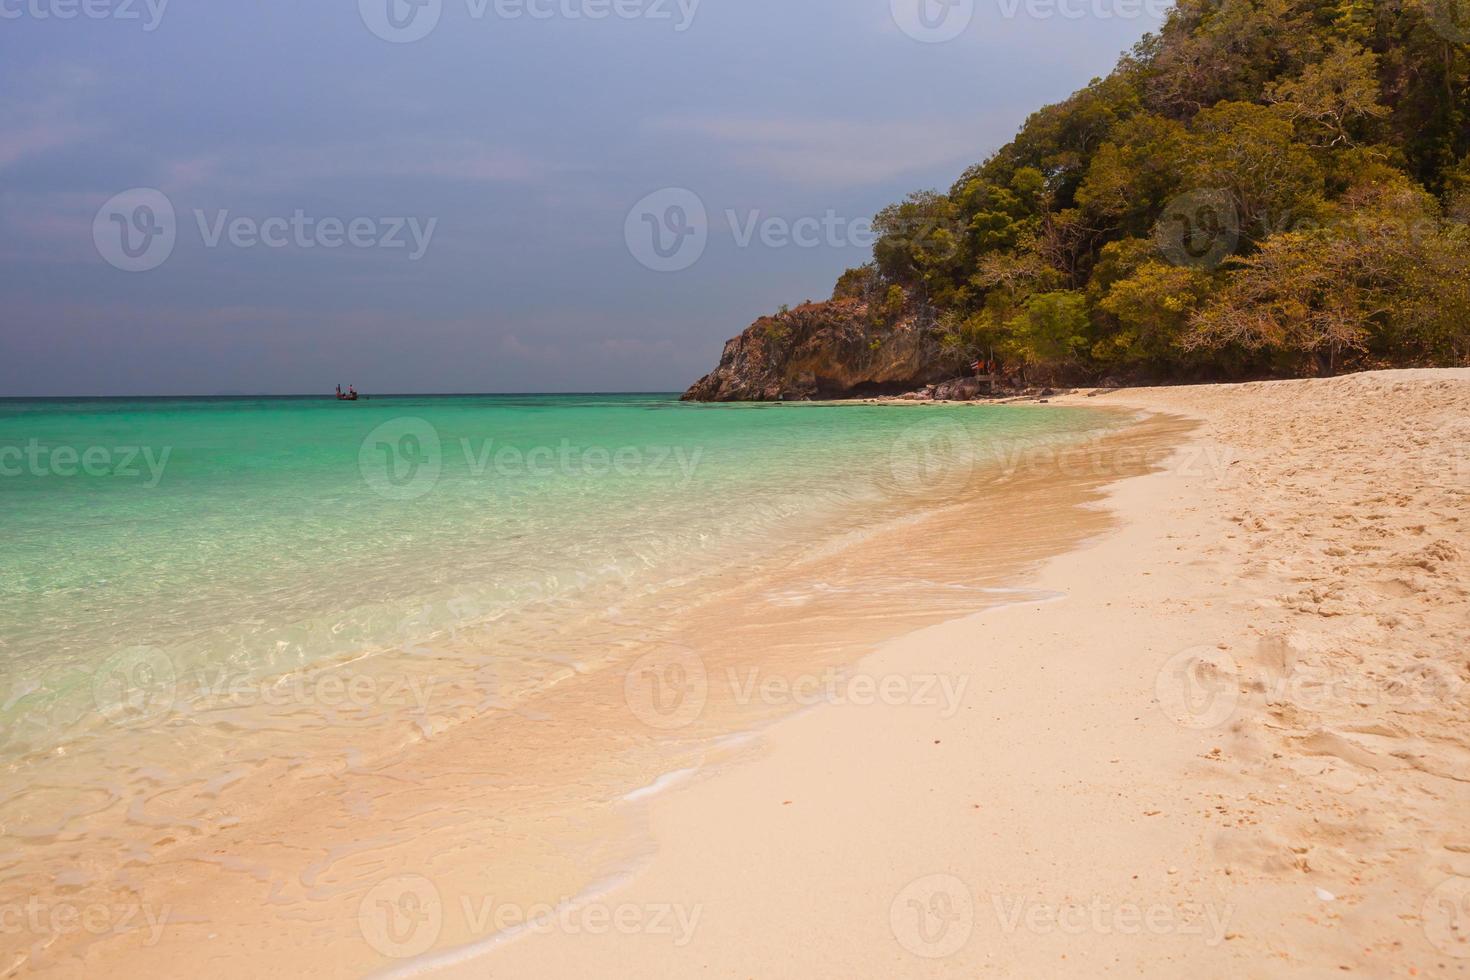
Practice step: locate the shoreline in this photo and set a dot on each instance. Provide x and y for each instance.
(1087, 813)
(312, 864)
(1045, 786)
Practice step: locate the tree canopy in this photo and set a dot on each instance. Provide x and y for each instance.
(1263, 186)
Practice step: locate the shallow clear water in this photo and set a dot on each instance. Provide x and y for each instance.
(150, 537)
(256, 652)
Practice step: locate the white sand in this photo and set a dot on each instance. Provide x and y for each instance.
(1301, 568)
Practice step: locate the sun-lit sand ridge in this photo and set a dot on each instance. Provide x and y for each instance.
(1240, 746)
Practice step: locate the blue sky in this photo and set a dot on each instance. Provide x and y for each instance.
(514, 145)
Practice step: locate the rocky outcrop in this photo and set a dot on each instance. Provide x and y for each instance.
(959, 390)
(836, 349)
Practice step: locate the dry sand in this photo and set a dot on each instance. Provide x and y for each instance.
(1238, 746)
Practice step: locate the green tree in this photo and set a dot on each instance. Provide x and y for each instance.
(1334, 99)
(1151, 307)
(1322, 150)
(1050, 331)
(1384, 274)
(919, 246)
(856, 283)
(1250, 154)
(1135, 173)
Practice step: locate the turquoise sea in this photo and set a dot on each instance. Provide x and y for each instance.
(161, 553)
(207, 604)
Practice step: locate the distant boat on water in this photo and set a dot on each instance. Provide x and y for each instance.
(350, 395)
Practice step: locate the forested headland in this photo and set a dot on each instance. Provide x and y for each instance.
(1264, 187)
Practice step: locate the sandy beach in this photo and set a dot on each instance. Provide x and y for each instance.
(1190, 696)
(1234, 745)
(564, 489)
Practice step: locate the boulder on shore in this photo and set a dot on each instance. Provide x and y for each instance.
(961, 390)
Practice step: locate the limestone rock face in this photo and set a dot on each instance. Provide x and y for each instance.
(835, 349)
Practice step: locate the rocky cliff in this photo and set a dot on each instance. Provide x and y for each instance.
(836, 349)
